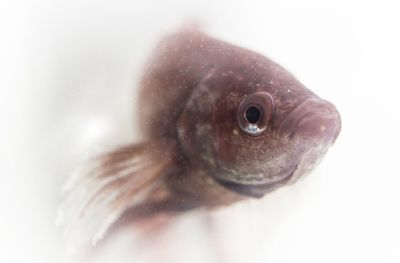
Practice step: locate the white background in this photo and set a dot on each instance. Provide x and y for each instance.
(68, 71)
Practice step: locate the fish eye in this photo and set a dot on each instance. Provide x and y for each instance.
(254, 113)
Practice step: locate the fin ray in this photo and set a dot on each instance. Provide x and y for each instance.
(107, 186)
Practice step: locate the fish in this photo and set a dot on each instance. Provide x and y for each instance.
(220, 124)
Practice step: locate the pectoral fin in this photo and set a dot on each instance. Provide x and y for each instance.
(111, 183)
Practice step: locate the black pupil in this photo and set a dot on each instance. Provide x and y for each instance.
(252, 114)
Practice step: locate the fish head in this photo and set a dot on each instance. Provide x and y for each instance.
(255, 132)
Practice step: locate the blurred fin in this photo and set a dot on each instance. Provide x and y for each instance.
(100, 191)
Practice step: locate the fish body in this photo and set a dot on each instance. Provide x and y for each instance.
(220, 124)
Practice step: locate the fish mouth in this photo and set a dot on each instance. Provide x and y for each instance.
(313, 118)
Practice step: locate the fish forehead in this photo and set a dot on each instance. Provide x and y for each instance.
(233, 82)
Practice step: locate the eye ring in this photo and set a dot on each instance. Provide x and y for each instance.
(254, 113)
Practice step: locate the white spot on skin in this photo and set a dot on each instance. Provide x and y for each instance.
(253, 129)
(288, 90)
(271, 82)
(235, 132)
(209, 181)
(322, 128)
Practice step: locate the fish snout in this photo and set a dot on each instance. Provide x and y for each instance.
(312, 119)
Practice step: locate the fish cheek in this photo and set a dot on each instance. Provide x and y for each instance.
(234, 150)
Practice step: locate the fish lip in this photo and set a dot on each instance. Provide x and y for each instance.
(308, 110)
